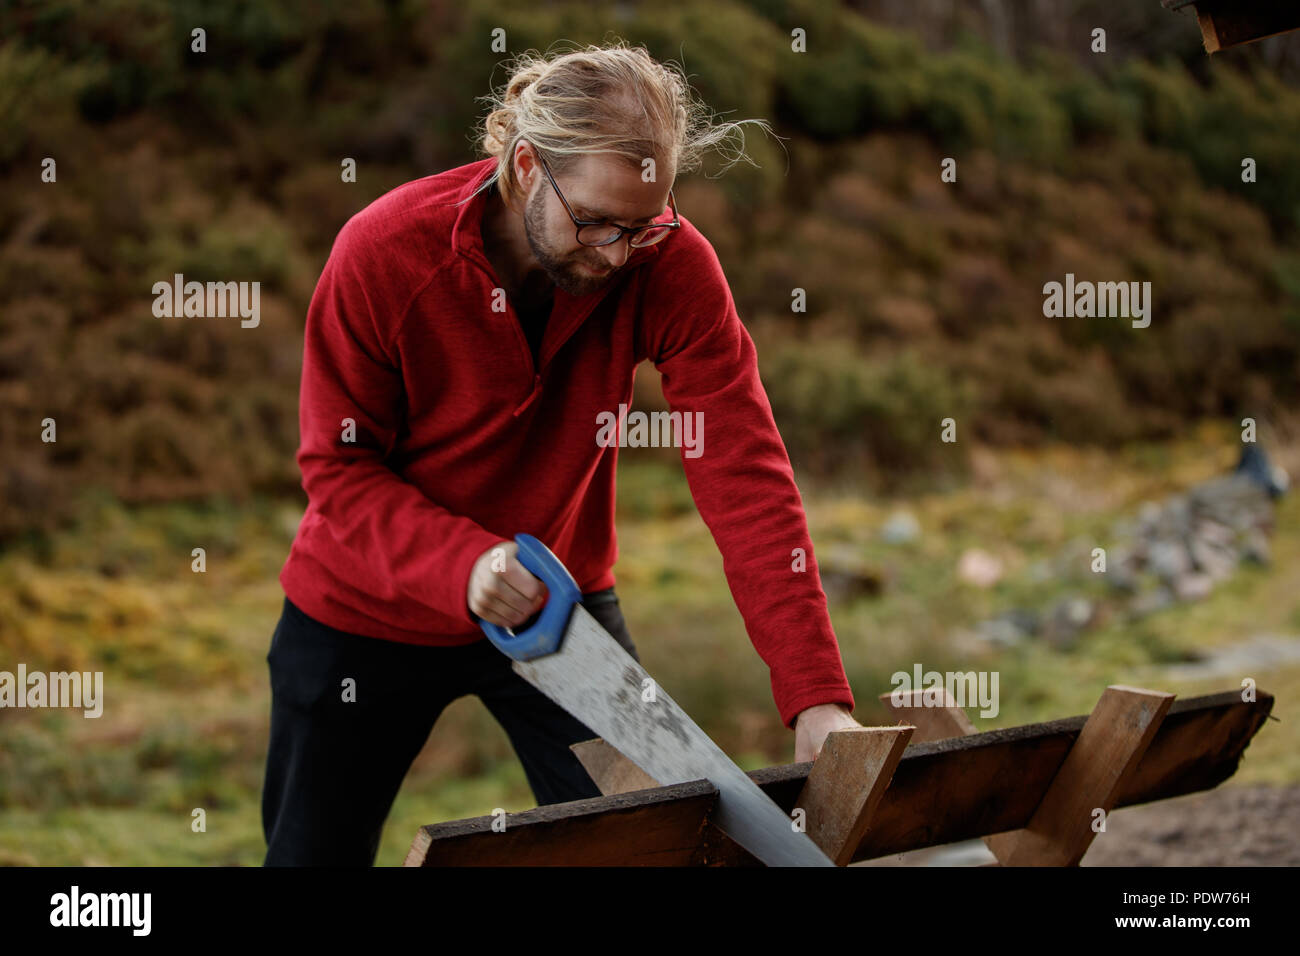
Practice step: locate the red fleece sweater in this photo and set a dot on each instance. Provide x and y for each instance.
(460, 442)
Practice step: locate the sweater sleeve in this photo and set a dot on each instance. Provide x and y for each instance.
(740, 475)
(392, 532)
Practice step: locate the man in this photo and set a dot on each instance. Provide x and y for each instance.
(466, 336)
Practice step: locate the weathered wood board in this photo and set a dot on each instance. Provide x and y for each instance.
(943, 791)
(1229, 23)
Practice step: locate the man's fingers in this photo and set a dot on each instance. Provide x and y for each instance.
(503, 590)
(521, 581)
(495, 611)
(506, 598)
(499, 598)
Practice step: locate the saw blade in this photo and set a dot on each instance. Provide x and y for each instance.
(598, 682)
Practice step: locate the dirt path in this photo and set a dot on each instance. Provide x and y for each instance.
(1229, 826)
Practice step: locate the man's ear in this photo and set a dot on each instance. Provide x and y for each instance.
(527, 168)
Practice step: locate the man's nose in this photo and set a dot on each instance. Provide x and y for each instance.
(616, 253)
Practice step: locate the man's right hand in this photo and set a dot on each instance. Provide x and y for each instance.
(501, 590)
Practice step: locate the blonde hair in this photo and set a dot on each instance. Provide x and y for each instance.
(611, 99)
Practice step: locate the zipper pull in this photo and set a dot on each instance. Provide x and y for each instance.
(537, 388)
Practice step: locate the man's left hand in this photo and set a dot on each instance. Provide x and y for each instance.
(813, 725)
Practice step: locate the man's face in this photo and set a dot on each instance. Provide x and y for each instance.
(597, 187)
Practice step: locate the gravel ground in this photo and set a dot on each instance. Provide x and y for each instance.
(1228, 826)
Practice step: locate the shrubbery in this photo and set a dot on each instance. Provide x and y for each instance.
(924, 298)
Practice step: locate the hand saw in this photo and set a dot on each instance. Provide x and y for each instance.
(574, 661)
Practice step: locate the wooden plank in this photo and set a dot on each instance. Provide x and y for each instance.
(845, 786)
(1229, 24)
(942, 791)
(611, 771)
(718, 849)
(941, 723)
(1199, 747)
(660, 827)
(931, 723)
(614, 773)
(1102, 759)
(991, 782)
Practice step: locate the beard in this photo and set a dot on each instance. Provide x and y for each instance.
(565, 272)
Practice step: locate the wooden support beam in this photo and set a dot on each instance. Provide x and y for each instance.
(661, 827)
(940, 723)
(611, 771)
(1102, 759)
(991, 782)
(1229, 23)
(931, 722)
(942, 791)
(845, 786)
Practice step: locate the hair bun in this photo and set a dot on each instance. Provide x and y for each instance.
(522, 80)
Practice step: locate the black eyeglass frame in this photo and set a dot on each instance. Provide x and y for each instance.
(623, 230)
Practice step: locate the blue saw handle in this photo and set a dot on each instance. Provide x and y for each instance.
(545, 636)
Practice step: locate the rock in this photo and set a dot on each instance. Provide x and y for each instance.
(1009, 628)
(1001, 632)
(1234, 501)
(1069, 618)
(1168, 560)
(1255, 547)
(1176, 519)
(1214, 533)
(1261, 654)
(847, 575)
(1213, 550)
(901, 528)
(1150, 602)
(1028, 621)
(1122, 570)
(1218, 565)
(979, 568)
(1193, 586)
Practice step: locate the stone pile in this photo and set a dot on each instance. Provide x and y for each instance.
(1175, 551)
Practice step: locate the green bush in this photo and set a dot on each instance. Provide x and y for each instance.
(225, 166)
(838, 408)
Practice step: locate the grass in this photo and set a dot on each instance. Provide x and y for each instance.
(183, 654)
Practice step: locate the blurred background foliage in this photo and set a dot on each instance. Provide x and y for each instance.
(924, 298)
(924, 301)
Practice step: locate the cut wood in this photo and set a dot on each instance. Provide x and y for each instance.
(939, 723)
(610, 769)
(1100, 762)
(846, 783)
(666, 826)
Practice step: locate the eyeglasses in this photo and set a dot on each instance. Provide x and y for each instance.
(599, 233)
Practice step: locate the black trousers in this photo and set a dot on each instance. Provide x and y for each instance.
(334, 766)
